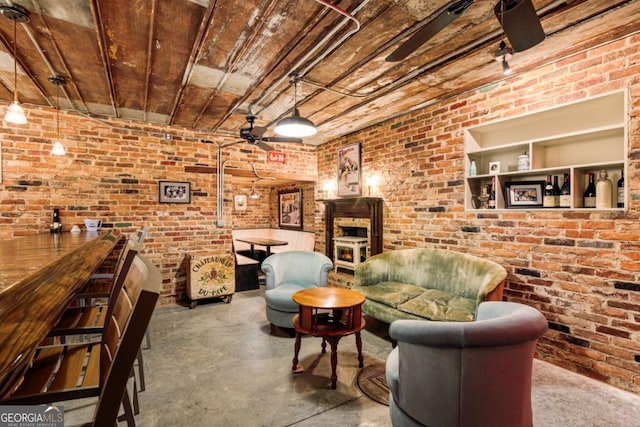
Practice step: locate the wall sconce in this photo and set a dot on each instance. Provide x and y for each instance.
(328, 187)
(372, 181)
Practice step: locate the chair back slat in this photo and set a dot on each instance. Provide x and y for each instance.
(123, 336)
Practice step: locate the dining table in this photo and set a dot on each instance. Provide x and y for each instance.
(262, 241)
(40, 275)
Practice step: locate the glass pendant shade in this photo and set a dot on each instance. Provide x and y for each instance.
(295, 126)
(58, 149)
(15, 114)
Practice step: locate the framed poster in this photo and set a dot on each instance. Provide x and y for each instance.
(524, 194)
(349, 178)
(174, 192)
(290, 209)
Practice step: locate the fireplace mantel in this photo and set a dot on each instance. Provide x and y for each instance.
(356, 207)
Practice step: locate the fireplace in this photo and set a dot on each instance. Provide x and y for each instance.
(355, 241)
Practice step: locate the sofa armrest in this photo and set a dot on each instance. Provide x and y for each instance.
(373, 271)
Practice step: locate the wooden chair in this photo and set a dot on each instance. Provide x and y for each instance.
(74, 371)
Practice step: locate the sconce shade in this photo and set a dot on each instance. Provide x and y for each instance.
(520, 23)
(58, 149)
(295, 126)
(15, 114)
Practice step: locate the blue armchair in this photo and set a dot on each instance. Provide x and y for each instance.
(465, 373)
(286, 273)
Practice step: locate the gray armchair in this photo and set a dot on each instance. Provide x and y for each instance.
(465, 373)
(287, 273)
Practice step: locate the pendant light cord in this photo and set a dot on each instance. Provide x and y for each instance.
(15, 61)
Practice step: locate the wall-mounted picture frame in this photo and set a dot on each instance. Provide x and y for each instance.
(524, 194)
(240, 202)
(174, 192)
(349, 171)
(290, 209)
(494, 168)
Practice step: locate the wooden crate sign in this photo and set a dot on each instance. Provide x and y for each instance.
(277, 157)
(211, 276)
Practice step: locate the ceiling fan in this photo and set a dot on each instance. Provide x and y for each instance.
(439, 20)
(254, 135)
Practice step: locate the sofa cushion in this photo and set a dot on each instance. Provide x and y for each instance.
(391, 293)
(435, 304)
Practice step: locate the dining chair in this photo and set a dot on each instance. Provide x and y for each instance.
(97, 369)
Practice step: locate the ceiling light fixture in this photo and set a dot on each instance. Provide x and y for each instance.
(15, 113)
(58, 148)
(520, 23)
(254, 194)
(295, 126)
(502, 56)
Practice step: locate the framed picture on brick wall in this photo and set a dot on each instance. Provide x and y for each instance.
(349, 177)
(290, 209)
(174, 192)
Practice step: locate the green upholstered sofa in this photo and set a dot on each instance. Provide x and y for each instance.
(433, 284)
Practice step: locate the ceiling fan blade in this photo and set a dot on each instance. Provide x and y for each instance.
(281, 139)
(258, 131)
(442, 18)
(264, 146)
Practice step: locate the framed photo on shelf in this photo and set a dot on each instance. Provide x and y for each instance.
(349, 177)
(290, 209)
(524, 194)
(494, 168)
(174, 192)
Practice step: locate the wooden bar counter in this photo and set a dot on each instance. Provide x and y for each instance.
(39, 276)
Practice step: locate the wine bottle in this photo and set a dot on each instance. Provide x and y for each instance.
(56, 226)
(589, 196)
(556, 192)
(549, 199)
(492, 196)
(603, 191)
(565, 192)
(621, 190)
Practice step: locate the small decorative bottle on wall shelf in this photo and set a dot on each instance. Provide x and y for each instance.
(523, 162)
(620, 198)
(589, 197)
(549, 198)
(603, 191)
(565, 192)
(473, 170)
(492, 196)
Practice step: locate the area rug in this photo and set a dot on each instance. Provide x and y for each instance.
(372, 382)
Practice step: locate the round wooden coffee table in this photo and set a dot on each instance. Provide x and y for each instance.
(329, 313)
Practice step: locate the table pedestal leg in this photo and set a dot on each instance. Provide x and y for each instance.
(296, 351)
(333, 342)
(359, 347)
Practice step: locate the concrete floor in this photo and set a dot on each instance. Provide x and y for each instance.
(220, 365)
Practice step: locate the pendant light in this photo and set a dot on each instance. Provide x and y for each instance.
(295, 126)
(504, 53)
(15, 113)
(254, 194)
(58, 148)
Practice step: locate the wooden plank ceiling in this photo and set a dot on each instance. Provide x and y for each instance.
(204, 64)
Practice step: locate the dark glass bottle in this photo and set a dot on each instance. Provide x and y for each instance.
(56, 226)
(565, 192)
(621, 190)
(549, 198)
(556, 192)
(589, 197)
(492, 196)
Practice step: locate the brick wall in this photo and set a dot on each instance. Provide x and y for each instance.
(581, 269)
(112, 171)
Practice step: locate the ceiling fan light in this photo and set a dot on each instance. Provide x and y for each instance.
(58, 149)
(295, 126)
(15, 114)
